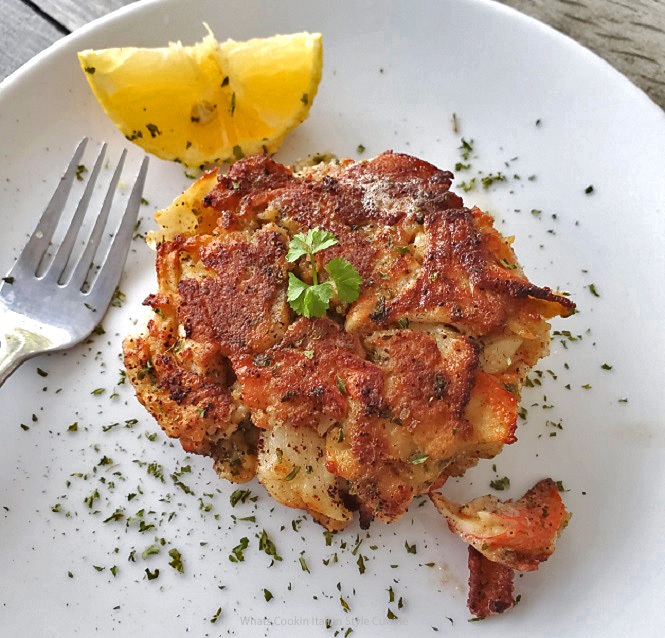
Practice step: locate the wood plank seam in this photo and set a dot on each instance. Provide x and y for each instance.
(50, 19)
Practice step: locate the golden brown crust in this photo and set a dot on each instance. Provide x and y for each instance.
(241, 304)
(295, 382)
(192, 406)
(468, 279)
(422, 386)
(383, 398)
(490, 586)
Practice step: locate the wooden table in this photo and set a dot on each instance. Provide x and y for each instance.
(629, 34)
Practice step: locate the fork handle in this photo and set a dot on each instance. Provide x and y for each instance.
(17, 342)
(10, 354)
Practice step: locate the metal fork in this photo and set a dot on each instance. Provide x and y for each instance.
(56, 309)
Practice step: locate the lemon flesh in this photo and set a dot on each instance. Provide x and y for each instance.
(211, 102)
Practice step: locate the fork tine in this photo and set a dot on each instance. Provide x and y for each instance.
(34, 250)
(114, 263)
(80, 272)
(56, 268)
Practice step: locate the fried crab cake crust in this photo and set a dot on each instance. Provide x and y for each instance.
(381, 400)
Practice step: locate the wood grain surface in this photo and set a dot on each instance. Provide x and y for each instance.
(23, 33)
(629, 34)
(74, 13)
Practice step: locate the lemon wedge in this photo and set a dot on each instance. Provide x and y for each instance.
(211, 102)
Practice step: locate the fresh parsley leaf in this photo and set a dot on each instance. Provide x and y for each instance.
(308, 301)
(317, 299)
(315, 240)
(319, 239)
(311, 300)
(295, 293)
(297, 248)
(346, 278)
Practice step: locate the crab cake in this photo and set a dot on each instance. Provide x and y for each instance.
(376, 402)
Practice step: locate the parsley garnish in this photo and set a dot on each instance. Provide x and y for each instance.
(466, 149)
(293, 473)
(311, 300)
(238, 551)
(151, 550)
(176, 563)
(89, 500)
(152, 575)
(118, 298)
(116, 516)
(153, 129)
(267, 546)
(592, 290)
(418, 458)
(507, 264)
(239, 496)
(500, 484)
(346, 278)
(490, 179)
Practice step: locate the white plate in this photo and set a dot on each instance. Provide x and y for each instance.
(395, 72)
